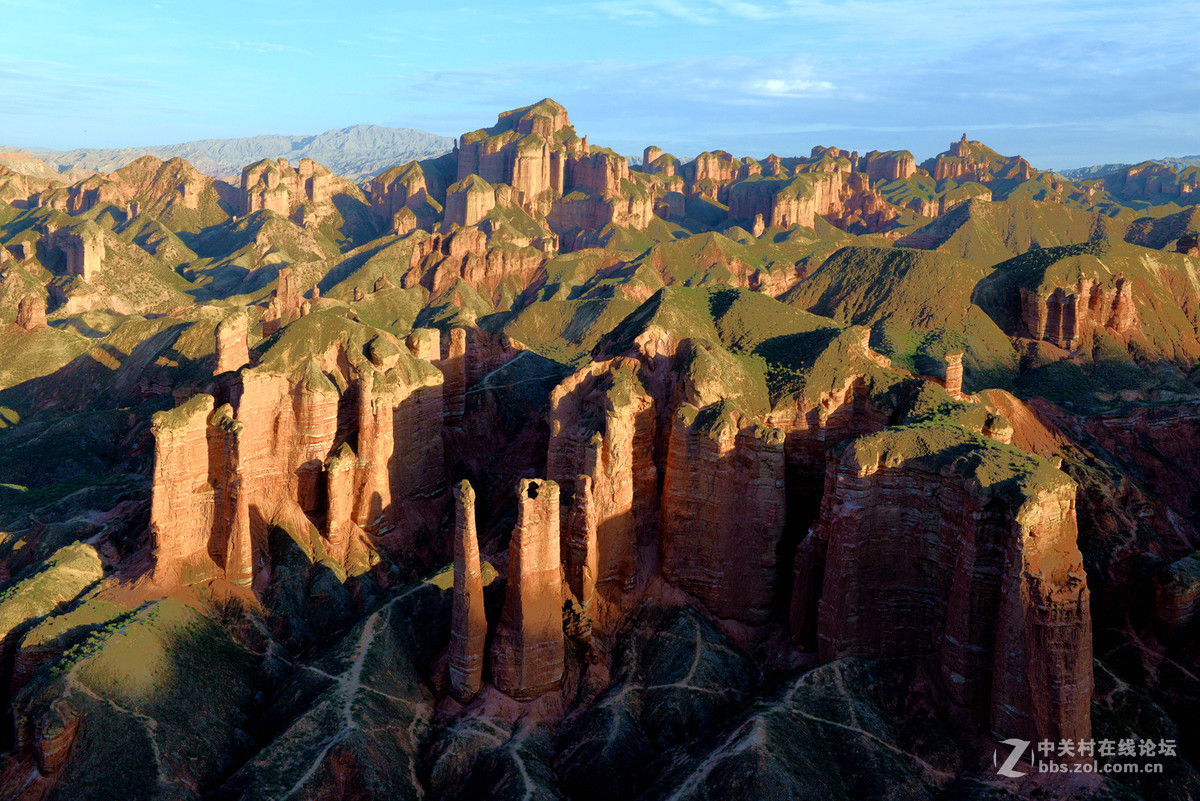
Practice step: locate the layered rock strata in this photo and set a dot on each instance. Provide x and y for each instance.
(282, 439)
(1064, 316)
(991, 583)
(276, 186)
(726, 558)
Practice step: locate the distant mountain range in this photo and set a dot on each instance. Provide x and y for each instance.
(357, 152)
(1100, 170)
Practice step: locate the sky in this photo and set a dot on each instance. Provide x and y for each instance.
(1065, 84)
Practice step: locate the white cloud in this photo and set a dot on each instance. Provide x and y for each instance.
(789, 87)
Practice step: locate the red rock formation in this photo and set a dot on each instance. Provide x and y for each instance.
(1177, 597)
(954, 374)
(839, 197)
(1160, 441)
(269, 448)
(468, 630)
(710, 175)
(527, 149)
(991, 581)
(726, 560)
(31, 312)
(285, 305)
(582, 561)
(82, 247)
(275, 186)
(600, 173)
(972, 161)
(453, 365)
(890, 166)
(468, 202)
(232, 348)
(528, 652)
(759, 226)
(1065, 316)
(425, 343)
(55, 732)
(398, 189)
(602, 425)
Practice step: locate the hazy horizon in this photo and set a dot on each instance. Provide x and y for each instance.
(1064, 84)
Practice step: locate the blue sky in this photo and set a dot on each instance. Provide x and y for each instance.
(1063, 83)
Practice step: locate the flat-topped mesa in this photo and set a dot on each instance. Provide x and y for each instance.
(468, 627)
(710, 174)
(233, 351)
(600, 172)
(1065, 316)
(990, 582)
(840, 197)
(285, 443)
(468, 202)
(888, 166)
(715, 465)
(276, 186)
(31, 312)
(528, 649)
(82, 248)
(526, 148)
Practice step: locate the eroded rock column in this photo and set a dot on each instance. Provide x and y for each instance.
(527, 653)
(468, 630)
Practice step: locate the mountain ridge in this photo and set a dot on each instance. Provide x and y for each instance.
(1101, 170)
(356, 151)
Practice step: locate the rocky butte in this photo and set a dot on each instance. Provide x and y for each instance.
(527, 472)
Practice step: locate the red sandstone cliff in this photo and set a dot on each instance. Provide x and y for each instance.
(527, 651)
(282, 437)
(991, 582)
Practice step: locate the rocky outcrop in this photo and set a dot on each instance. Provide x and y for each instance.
(270, 448)
(973, 161)
(81, 247)
(275, 186)
(990, 581)
(285, 304)
(1177, 597)
(1064, 316)
(717, 463)
(893, 165)
(468, 631)
(526, 149)
(453, 364)
(842, 198)
(1159, 442)
(232, 346)
(468, 202)
(31, 312)
(399, 190)
(602, 426)
(582, 549)
(528, 651)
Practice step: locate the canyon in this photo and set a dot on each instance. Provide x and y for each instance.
(525, 471)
